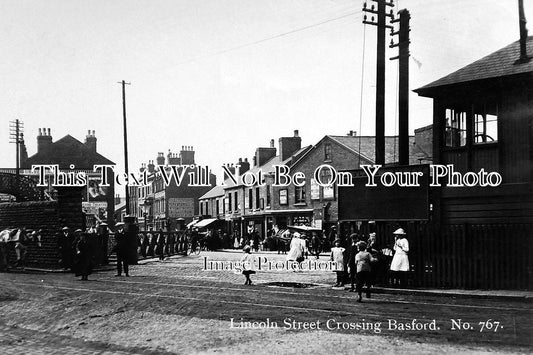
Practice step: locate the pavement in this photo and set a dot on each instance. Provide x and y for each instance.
(456, 293)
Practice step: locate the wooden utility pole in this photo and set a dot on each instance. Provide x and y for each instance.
(125, 143)
(523, 33)
(16, 128)
(403, 83)
(380, 71)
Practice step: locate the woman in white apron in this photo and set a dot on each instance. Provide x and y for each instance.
(400, 260)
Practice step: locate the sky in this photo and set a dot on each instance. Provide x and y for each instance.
(222, 76)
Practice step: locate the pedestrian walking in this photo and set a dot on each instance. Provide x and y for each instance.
(145, 244)
(160, 248)
(66, 248)
(83, 257)
(363, 269)
(247, 262)
(21, 246)
(337, 256)
(297, 249)
(400, 261)
(122, 250)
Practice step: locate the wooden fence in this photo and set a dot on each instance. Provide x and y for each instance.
(480, 256)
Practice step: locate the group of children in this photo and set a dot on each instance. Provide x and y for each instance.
(359, 263)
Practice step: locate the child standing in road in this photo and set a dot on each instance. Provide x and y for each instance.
(247, 262)
(337, 255)
(362, 264)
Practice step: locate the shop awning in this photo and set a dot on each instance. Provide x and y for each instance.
(305, 228)
(205, 222)
(191, 224)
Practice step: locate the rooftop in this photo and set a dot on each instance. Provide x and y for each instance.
(501, 63)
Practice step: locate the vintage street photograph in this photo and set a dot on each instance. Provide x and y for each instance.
(266, 177)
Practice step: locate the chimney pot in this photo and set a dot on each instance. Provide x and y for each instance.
(271, 143)
(89, 132)
(296, 133)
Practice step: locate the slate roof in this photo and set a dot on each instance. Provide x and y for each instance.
(216, 191)
(501, 63)
(366, 147)
(65, 151)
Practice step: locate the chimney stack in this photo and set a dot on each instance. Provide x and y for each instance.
(244, 166)
(90, 141)
(160, 158)
(289, 145)
(151, 166)
(44, 140)
(186, 156)
(262, 154)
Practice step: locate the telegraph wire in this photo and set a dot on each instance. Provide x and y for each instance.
(280, 35)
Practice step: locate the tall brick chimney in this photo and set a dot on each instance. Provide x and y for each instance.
(90, 141)
(231, 168)
(151, 166)
(289, 145)
(187, 155)
(244, 166)
(160, 158)
(44, 140)
(263, 154)
(173, 158)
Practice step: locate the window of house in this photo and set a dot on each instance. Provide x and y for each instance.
(236, 202)
(299, 194)
(257, 202)
(268, 195)
(283, 197)
(250, 198)
(327, 151)
(230, 205)
(485, 123)
(455, 128)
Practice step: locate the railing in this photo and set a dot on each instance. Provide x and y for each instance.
(481, 256)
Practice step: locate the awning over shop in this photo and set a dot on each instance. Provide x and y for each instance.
(191, 224)
(205, 222)
(305, 228)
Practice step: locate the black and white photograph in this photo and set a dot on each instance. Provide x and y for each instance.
(266, 177)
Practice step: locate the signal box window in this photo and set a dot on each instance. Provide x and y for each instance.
(455, 128)
(485, 123)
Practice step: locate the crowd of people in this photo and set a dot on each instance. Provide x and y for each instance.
(362, 263)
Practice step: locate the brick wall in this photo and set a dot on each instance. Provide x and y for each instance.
(34, 215)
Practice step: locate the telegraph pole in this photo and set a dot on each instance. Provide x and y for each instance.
(125, 142)
(16, 128)
(403, 83)
(381, 14)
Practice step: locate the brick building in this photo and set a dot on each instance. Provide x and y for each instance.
(72, 155)
(160, 206)
(263, 206)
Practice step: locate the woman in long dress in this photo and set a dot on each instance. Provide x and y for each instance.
(83, 262)
(400, 260)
